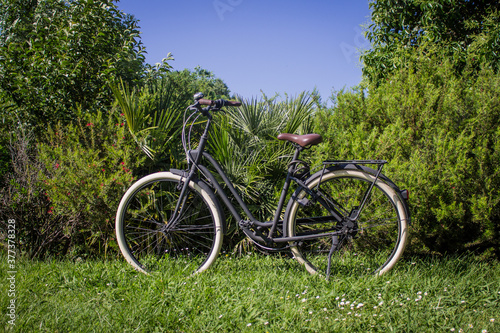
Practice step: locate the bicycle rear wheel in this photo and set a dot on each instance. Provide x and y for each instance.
(373, 244)
(149, 237)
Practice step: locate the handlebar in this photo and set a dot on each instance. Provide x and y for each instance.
(218, 103)
(212, 105)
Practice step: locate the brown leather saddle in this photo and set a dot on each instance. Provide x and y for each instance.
(302, 140)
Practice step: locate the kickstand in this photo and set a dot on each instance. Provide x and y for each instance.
(335, 242)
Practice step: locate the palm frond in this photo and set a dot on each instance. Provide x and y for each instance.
(153, 115)
(244, 143)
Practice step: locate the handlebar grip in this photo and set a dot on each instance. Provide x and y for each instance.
(205, 102)
(219, 103)
(232, 103)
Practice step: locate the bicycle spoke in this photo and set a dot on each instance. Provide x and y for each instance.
(152, 240)
(373, 237)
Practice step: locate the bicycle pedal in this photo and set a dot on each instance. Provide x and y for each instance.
(245, 224)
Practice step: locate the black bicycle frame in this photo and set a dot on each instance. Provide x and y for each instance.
(195, 157)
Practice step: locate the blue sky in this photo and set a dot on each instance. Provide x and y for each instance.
(277, 46)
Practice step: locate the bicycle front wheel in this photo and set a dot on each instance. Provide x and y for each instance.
(153, 236)
(372, 244)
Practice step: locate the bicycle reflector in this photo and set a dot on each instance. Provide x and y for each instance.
(405, 194)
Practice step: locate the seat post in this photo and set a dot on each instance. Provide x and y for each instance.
(296, 155)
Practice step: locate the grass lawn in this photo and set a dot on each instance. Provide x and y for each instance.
(253, 293)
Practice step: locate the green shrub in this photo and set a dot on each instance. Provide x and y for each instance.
(6, 120)
(22, 199)
(441, 135)
(58, 54)
(87, 168)
(4, 158)
(464, 31)
(64, 194)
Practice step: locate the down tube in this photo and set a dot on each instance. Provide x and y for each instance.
(233, 191)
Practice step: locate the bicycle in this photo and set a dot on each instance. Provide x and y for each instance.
(174, 219)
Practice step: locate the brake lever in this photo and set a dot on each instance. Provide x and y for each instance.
(196, 107)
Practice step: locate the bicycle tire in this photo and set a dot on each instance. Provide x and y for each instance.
(150, 241)
(379, 237)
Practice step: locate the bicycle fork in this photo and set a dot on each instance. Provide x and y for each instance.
(195, 157)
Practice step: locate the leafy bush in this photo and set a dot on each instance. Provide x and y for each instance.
(22, 199)
(441, 135)
(462, 30)
(64, 194)
(6, 109)
(87, 168)
(56, 55)
(4, 156)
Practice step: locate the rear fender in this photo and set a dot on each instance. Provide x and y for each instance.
(370, 171)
